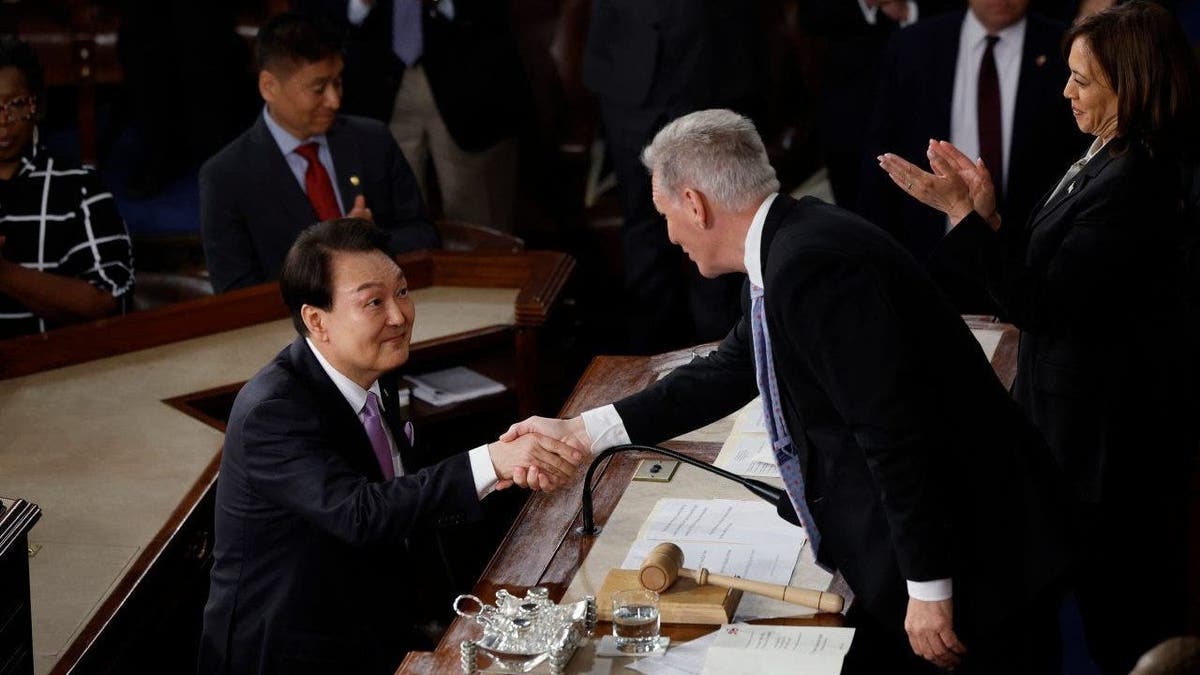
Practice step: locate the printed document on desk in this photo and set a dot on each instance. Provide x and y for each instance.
(744, 649)
(747, 451)
(727, 536)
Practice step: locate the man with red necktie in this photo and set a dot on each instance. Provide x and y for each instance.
(302, 162)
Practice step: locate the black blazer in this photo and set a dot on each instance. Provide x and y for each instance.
(916, 88)
(252, 207)
(672, 57)
(1094, 283)
(915, 458)
(471, 61)
(309, 572)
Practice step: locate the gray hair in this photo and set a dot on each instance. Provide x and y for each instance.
(718, 152)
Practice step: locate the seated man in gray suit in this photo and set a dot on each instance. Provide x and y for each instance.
(301, 162)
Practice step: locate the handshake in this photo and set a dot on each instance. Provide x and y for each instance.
(540, 453)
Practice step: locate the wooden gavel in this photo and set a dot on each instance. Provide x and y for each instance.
(665, 564)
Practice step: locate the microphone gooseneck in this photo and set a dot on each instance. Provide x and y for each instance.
(769, 493)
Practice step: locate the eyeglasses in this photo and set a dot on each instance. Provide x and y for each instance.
(20, 109)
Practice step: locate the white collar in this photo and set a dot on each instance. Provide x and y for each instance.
(974, 33)
(752, 256)
(355, 395)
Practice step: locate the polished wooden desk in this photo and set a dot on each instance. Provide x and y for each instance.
(93, 432)
(543, 547)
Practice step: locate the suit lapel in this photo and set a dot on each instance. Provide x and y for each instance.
(279, 186)
(1073, 189)
(397, 422)
(355, 447)
(347, 164)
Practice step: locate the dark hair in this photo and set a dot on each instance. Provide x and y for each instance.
(17, 54)
(306, 277)
(1147, 61)
(292, 38)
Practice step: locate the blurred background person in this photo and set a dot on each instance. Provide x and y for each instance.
(1094, 283)
(447, 78)
(65, 256)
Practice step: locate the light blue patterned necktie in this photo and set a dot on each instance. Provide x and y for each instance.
(372, 421)
(407, 39)
(781, 440)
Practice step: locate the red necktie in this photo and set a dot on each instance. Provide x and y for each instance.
(317, 184)
(991, 144)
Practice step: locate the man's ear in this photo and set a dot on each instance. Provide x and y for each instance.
(697, 208)
(314, 321)
(268, 85)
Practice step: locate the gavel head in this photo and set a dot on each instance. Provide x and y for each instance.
(661, 567)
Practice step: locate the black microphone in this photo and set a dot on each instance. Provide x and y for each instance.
(769, 493)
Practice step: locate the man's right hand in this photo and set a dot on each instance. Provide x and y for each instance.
(553, 460)
(572, 431)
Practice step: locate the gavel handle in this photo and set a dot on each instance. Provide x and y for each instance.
(822, 600)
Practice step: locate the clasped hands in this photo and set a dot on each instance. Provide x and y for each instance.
(956, 187)
(540, 453)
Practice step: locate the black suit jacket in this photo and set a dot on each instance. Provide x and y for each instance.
(309, 572)
(913, 105)
(252, 207)
(1094, 283)
(671, 57)
(917, 463)
(472, 63)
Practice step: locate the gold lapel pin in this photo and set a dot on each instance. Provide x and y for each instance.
(354, 180)
(1040, 60)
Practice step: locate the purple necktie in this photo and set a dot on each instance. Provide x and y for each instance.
(373, 422)
(781, 439)
(408, 42)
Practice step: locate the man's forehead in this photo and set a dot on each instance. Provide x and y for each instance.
(307, 71)
(354, 269)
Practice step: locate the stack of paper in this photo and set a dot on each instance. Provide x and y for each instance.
(747, 451)
(452, 385)
(733, 537)
(744, 649)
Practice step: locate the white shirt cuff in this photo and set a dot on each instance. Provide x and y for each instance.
(931, 591)
(483, 471)
(912, 14)
(357, 11)
(605, 428)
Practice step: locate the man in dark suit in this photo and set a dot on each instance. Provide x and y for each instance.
(319, 492)
(911, 468)
(650, 62)
(854, 36)
(447, 78)
(301, 162)
(935, 85)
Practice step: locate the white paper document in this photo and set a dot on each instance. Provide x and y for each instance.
(988, 339)
(747, 450)
(744, 649)
(727, 536)
(686, 658)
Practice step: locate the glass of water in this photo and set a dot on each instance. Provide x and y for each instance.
(635, 620)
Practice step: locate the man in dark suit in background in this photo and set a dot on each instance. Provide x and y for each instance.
(447, 78)
(319, 492)
(650, 61)
(910, 467)
(854, 34)
(302, 162)
(1002, 103)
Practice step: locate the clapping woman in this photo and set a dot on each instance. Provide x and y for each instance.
(1093, 281)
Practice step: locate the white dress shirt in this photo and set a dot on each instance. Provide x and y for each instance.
(287, 145)
(606, 429)
(964, 115)
(482, 470)
(871, 14)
